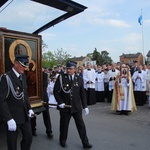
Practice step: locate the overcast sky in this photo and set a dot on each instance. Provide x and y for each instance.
(110, 25)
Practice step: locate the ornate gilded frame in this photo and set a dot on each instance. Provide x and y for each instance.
(33, 44)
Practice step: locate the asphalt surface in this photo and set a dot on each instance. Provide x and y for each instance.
(106, 131)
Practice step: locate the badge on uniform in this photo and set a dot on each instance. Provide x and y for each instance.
(76, 84)
(17, 90)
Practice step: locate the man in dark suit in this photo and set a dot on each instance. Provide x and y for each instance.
(69, 90)
(46, 114)
(15, 106)
(134, 68)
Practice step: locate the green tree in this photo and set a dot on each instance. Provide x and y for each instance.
(101, 57)
(105, 59)
(44, 46)
(61, 56)
(48, 60)
(89, 55)
(96, 56)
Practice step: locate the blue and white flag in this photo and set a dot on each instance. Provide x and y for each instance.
(140, 20)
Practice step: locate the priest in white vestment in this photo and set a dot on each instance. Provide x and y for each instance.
(123, 97)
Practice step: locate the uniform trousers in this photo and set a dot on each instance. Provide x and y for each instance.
(64, 124)
(46, 119)
(26, 137)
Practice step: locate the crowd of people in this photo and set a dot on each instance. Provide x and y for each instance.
(70, 89)
(124, 86)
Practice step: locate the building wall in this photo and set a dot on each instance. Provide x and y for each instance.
(130, 61)
(81, 62)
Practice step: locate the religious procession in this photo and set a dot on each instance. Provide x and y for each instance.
(123, 86)
(35, 99)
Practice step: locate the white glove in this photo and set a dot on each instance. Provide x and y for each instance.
(86, 110)
(31, 113)
(11, 125)
(62, 105)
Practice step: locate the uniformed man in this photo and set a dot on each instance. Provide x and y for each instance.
(68, 90)
(14, 104)
(45, 113)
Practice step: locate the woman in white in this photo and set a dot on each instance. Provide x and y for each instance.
(123, 98)
(99, 85)
(50, 88)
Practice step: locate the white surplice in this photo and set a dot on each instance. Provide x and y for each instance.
(89, 75)
(112, 74)
(139, 83)
(51, 97)
(99, 83)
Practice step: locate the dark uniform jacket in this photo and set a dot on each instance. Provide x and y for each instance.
(70, 93)
(45, 84)
(133, 69)
(10, 106)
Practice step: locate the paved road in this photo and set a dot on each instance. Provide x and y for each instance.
(105, 129)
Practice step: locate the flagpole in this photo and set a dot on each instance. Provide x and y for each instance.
(142, 37)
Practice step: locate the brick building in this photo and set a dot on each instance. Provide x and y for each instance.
(130, 58)
(80, 60)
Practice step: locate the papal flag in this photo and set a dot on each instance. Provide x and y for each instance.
(140, 20)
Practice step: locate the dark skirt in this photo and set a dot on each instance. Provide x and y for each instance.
(139, 97)
(106, 90)
(110, 93)
(91, 98)
(100, 96)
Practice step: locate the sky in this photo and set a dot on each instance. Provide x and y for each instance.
(110, 25)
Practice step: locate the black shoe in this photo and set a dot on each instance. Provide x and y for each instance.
(34, 133)
(121, 112)
(87, 146)
(50, 135)
(62, 144)
(126, 113)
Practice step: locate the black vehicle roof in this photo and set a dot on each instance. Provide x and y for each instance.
(70, 8)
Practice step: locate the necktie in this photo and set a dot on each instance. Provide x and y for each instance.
(20, 77)
(71, 79)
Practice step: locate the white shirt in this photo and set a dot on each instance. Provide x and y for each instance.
(16, 73)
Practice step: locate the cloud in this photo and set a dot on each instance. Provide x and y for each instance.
(131, 38)
(27, 15)
(116, 23)
(147, 22)
(47, 36)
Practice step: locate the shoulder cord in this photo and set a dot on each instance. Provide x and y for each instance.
(10, 86)
(61, 86)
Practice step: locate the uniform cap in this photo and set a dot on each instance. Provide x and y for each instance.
(23, 60)
(71, 64)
